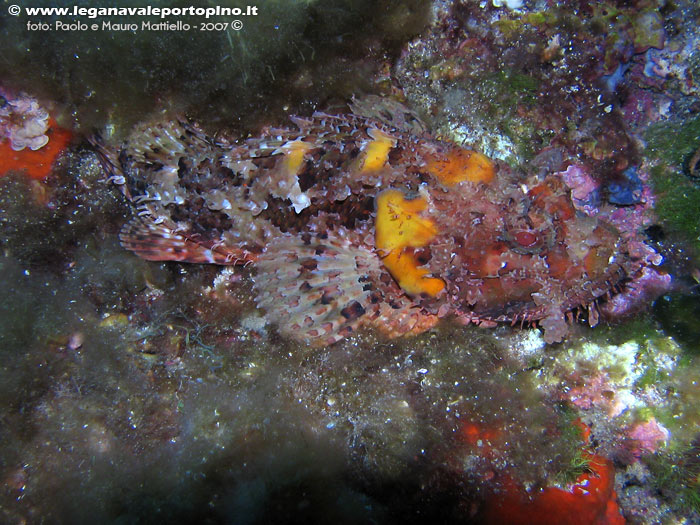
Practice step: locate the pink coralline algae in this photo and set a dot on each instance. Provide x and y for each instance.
(23, 122)
(647, 437)
(649, 282)
(597, 392)
(584, 188)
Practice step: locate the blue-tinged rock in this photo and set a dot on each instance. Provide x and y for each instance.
(614, 79)
(626, 190)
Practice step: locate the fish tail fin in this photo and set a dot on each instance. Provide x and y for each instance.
(155, 241)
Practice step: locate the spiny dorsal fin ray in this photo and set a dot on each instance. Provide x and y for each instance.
(110, 163)
(389, 112)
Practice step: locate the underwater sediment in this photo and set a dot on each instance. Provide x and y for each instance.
(143, 391)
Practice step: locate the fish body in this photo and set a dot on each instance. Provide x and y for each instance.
(365, 219)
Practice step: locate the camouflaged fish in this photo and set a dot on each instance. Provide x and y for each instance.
(364, 219)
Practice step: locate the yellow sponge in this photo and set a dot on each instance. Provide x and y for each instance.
(399, 229)
(376, 151)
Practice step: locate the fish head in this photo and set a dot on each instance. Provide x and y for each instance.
(497, 246)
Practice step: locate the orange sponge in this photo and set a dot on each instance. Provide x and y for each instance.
(37, 164)
(459, 165)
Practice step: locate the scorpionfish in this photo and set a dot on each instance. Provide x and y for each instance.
(365, 219)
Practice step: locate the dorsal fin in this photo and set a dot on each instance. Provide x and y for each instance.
(165, 142)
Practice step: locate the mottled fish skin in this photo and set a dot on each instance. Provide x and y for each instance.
(364, 219)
